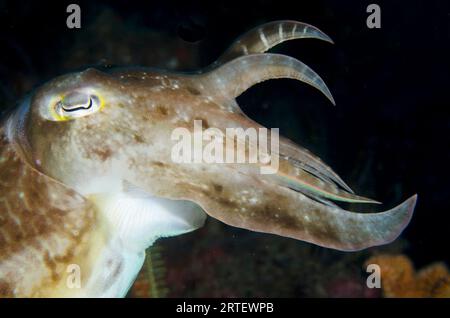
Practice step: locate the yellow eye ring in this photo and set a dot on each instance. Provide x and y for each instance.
(75, 105)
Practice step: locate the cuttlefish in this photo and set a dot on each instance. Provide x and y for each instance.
(88, 181)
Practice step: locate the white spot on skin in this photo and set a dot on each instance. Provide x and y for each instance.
(294, 29)
(164, 81)
(280, 31)
(263, 39)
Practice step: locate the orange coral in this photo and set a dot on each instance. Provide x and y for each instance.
(150, 282)
(141, 287)
(399, 279)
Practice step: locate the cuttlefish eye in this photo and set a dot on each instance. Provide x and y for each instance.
(75, 105)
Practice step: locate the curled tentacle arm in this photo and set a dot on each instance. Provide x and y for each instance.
(233, 78)
(266, 36)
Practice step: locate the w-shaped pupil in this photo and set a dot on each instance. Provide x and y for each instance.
(76, 101)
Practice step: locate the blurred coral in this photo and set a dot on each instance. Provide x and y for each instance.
(141, 287)
(350, 287)
(220, 261)
(151, 281)
(399, 278)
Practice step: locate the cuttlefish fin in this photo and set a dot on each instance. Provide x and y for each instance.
(233, 78)
(266, 36)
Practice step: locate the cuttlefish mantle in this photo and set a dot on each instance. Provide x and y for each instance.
(87, 181)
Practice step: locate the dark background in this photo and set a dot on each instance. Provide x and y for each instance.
(388, 136)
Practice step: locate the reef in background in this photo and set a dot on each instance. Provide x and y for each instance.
(151, 281)
(400, 279)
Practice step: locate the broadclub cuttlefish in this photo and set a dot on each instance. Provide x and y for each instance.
(87, 179)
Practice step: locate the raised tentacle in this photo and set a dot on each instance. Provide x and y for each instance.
(305, 160)
(233, 78)
(266, 36)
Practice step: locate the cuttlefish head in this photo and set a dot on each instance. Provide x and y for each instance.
(85, 129)
(100, 132)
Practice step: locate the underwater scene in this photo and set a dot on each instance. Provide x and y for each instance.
(221, 149)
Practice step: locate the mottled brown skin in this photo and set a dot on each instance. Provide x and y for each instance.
(54, 171)
(44, 227)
